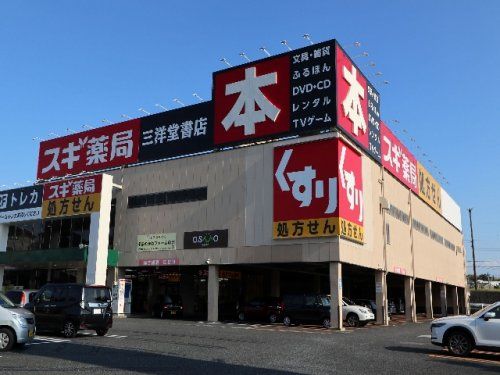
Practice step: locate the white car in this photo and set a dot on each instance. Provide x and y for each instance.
(463, 333)
(356, 315)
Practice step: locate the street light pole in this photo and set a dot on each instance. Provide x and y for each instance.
(472, 246)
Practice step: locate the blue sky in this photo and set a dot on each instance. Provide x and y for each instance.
(68, 63)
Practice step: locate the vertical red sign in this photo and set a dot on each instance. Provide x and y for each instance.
(351, 199)
(352, 99)
(397, 159)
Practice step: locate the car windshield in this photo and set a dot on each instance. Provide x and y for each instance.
(480, 312)
(97, 295)
(5, 302)
(347, 301)
(325, 300)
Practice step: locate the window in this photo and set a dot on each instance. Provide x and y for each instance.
(46, 295)
(496, 311)
(168, 197)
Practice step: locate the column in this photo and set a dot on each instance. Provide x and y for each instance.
(429, 313)
(455, 303)
(97, 258)
(466, 293)
(336, 295)
(381, 297)
(275, 283)
(410, 308)
(4, 236)
(444, 305)
(213, 293)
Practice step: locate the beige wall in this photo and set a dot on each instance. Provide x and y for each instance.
(240, 199)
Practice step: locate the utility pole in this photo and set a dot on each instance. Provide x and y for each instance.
(472, 246)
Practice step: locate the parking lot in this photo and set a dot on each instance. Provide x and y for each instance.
(153, 346)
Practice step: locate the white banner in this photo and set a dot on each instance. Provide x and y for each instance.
(21, 215)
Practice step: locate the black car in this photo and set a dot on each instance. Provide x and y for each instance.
(68, 308)
(168, 306)
(261, 308)
(306, 308)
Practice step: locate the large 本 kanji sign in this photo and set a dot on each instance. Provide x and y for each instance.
(287, 94)
(358, 105)
(97, 149)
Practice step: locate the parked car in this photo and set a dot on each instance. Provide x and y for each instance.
(168, 306)
(315, 308)
(396, 306)
(367, 303)
(68, 308)
(21, 297)
(262, 308)
(17, 325)
(461, 334)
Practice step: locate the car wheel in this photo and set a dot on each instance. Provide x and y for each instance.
(287, 321)
(326, 323)
(352, 320)
(273, 318)
(101, 331)
(459, 343)
(241, 316)
(7, 339)
(69, 329)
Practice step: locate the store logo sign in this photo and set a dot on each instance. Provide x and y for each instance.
(206, 239)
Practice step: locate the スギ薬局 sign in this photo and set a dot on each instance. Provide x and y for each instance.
(97, 149)
(78, 196)
(317, 191)
(398, 160)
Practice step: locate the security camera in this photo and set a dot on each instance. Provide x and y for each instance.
(208, 261)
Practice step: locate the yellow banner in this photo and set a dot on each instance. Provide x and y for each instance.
(323, 227)
(80, 205)
(352, 231)
(428, 188)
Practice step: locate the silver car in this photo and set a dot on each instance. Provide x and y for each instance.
(17, 325)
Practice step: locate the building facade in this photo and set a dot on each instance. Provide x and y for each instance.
(286, 182)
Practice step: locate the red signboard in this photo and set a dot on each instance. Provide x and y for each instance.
(278, 96)
(351, 200)
(97, 149)
(397, 159)
(252, 101)
(358, 105)
(72, 188)
(352, 99)
(305, 180)
(317, 191)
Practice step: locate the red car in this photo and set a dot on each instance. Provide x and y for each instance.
(263, 308)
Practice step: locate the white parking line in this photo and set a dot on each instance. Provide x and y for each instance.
(424, 336)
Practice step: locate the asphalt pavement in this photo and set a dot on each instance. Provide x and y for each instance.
(153, 346)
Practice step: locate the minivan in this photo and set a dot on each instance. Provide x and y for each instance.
(68, 308)
(17, 325)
